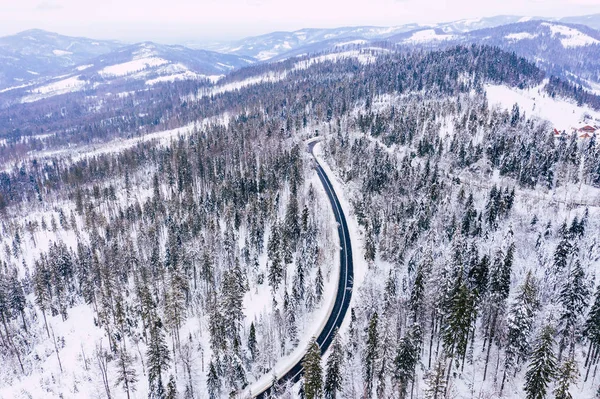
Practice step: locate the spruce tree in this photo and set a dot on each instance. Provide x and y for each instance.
(16, 297)
(252, 344)
(520, 323)
(171, 388)
(459, 322)
(542, 366)
(407, 356)
(274, 253)
(213, 383)
(292, 220)
(334, 378)
(565, 376)
(126, 373)
(498, 291)
(158, 355)
(371, 354)
(319, 286)
(417, 293)
(562, 252)
(591, 329)
(573, 297)
(313, 373)
(435, 381)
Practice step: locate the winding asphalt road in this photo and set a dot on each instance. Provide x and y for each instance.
(344, 291)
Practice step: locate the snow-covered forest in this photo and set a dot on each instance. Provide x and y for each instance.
(189, 263)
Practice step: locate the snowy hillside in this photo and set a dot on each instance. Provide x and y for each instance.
(569, 51)
(278, 45)
(146, 63)
(564, 114)
(285, 44)
(34, 53)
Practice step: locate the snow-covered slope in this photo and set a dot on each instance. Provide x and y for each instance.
(29, 54)
(569, 51)
(275, 45)
(563, 114)
(141, 64)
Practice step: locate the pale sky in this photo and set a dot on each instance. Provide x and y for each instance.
(205, 20)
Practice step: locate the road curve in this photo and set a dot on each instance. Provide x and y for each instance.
(346, 277)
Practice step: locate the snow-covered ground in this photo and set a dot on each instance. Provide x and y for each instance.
(133, 66)
(185, 75)
(362, 57)
(563, 114)
(76, 340)
(84, 67)
(428, 35)
(117, 145)
(61, 53)
(520, 36)
(570, 37)
(63, 86)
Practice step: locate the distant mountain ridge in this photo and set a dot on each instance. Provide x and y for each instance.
(276, 44)
(566, 50)
(129, 68)
(36, 64)
(32, 58)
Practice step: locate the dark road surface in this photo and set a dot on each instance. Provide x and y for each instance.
(344, 291)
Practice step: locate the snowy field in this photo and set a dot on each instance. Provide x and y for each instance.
(563, 114)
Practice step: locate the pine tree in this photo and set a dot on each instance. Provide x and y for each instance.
(319, 286)
(371, 354)
(407, 357)
(157, 354)
(213, 382)
(573, 297)
(459, 322)
(520, 323)
(417, 293)
(370, 248)
(171, 388)
(252, 344)
(542, 366)
(498, 291)
(274, 253)
(563, 250)
(436, 381)
(41, 282)
(17, 298)
(232, 296)
(313, 373)
(334, 378)
(566, 375)
(292, 220)
(126, 373)
(591, 329)
(290, 310)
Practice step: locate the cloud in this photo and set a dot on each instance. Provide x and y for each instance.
(48, 5)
